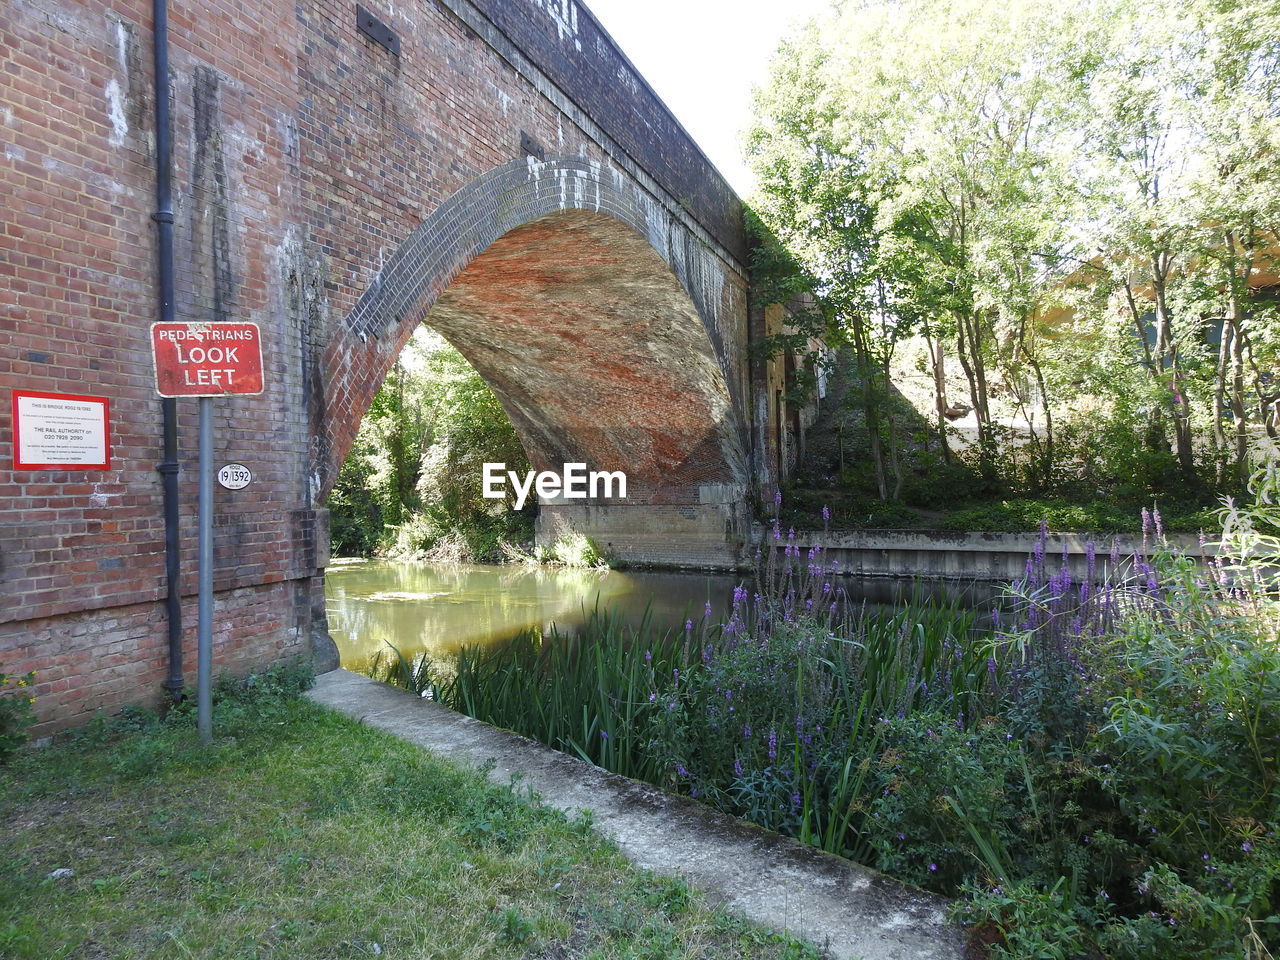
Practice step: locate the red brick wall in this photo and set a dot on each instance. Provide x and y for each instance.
(98, 660)
(328, 191)
(81, 566)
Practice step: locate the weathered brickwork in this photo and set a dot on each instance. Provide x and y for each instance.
(508, 177)
(576, 54)
(127, 649)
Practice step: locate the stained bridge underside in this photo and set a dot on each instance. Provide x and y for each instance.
(599, 356)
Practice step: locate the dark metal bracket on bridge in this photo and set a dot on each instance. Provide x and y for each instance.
(376, 30)
(531, 147)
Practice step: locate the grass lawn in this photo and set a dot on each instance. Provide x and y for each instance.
(303, 834)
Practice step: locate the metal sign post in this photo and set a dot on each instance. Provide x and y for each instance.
(204, 614)
(206, 360)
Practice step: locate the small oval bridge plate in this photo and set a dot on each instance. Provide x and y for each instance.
(235, 476)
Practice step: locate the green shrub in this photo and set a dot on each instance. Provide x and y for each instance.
(238, 698)
(577, 550)
(945, 800)
(1193, 727)
(804, 511)
(1022, 920)
(16, 702)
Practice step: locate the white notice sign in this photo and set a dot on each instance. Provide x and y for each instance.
(57, 431)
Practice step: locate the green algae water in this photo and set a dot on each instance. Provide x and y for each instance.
(438, 608)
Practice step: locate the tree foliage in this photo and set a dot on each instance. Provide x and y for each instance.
(1075, 204)
(412, 484)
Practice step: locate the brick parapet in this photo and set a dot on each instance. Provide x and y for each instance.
(582, 70)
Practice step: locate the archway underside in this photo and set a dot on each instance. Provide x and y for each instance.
(599, 356)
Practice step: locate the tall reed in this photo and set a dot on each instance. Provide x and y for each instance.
(590, 695)
(795, 661)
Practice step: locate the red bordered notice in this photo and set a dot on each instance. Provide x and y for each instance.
(202, 359)
(60, 431)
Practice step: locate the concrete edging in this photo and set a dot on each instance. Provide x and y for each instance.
(854, 912)
(974, 556)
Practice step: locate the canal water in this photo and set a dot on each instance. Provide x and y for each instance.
(437, 608)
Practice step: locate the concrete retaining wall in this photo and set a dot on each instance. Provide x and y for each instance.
(960, 555)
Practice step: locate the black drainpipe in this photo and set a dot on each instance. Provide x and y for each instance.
(168, 468)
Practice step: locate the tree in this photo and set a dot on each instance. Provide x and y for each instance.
(918, 175)
(1183, 147)
(1233, 115)
(1058, 198)
(413, 483)
(815, 197)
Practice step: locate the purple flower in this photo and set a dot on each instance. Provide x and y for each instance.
(933, 867)
(603, 735)
(777, 498)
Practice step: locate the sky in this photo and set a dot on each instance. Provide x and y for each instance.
(702, 57)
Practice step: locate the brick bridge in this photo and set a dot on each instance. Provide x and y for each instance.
(496, 168)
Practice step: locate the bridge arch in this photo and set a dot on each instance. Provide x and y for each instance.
(594, 319)
(336, 191)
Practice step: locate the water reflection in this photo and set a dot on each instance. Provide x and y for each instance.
(437, 608)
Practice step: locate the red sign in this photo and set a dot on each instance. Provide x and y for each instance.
(206, 359)
(59, 431)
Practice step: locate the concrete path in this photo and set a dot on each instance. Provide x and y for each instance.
(853, 912)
